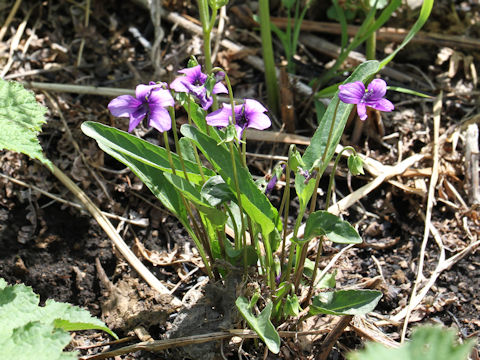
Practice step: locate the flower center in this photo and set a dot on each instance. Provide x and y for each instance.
(240, 119)
(367, 96)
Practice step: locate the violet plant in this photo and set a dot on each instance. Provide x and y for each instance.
(227, 214)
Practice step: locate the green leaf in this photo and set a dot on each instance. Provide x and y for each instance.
(29, 331)
(261, 324)
(186, 148)
(315, 150)
(323, 223)
(427, 343)
(191, 193)
(142, 151)
(38, 341)
(327, 281)
(254, 202)
(22, 118)
(235, 256)
(155, 180)
(409, 92)
(292, 306)
(216, 191)
(345, 302)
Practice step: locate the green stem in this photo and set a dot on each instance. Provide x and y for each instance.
(195, 150)
(315, 269)
(205, 20)
(286, 201)
(313, 202)
(239, 199)
(268, 57)
(332, 174)
(371, 45)
(177, 146)
(199, 241)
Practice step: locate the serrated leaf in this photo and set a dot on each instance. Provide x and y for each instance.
(38, 341)
(427, 343)
(261, 324)
(22, 118)
(29, 331)
(19, 306)
(335, 229)
(345, 302)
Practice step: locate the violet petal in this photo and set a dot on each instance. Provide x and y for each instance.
(382, 105)
(220, 117)
(123, 106)
(362, 111)
(160, 97)
(219, 88)
(377, 89)
(351, 93)
(159, 118)
(136, 117)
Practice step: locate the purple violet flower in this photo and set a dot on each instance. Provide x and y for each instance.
(251, 114)
(194, 83)
(150, 101)
(355, 93)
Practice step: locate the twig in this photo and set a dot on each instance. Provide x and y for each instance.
(10, 17)
(15, 41)
(333, 336)
(75, 144)
(387, 34)
(138, 222)
(158, 345)
(112, 233)
(437, 107)
(471, 163)
(220, 28)
(82, 42)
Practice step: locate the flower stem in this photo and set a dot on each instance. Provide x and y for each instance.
(204, 19)
(315, 269)
(371, 44)
(332, 174)
(195, 150)
(200, 241)
(286, 203)
(313, 202)
(177, 145)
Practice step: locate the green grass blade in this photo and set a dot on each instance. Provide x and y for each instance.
(423, 17)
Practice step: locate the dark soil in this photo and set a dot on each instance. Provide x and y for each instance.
(61, 251)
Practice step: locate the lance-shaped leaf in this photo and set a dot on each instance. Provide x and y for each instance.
(254, 202)
(345, 302)
(323, 223)
(22, 119)
(261, 324)
(141, 150)
(314, 152)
